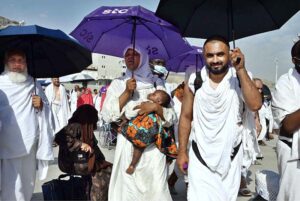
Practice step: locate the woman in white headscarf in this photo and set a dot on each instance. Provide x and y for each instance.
(148, 182)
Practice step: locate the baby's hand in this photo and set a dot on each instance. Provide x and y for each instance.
(86, 148)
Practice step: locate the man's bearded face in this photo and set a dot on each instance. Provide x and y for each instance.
(216, 54)
(16, 68)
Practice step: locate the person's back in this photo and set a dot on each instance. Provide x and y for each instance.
(77, 143)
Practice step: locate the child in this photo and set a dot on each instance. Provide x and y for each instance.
(143, 130)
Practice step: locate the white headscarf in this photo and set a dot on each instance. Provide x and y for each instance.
(143, 72)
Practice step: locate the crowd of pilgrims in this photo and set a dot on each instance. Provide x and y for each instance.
(207, 131)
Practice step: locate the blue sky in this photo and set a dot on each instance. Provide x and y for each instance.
(260, 50)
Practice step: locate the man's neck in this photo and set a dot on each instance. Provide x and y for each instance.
(217, 78)
(56, 87)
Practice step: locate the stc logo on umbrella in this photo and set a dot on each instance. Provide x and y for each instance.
(86, 35)
(152, 50)
(115, 11)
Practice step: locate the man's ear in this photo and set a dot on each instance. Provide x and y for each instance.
(294, 60)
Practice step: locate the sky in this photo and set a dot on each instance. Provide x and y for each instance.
(261, 51)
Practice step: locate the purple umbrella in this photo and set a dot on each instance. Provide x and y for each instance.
(109, 30)
(185, 60)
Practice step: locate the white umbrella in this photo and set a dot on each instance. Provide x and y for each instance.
(63, 79)
(82, 77)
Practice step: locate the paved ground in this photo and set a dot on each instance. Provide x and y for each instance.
(269, 162)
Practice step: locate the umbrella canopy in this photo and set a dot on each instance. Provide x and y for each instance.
(185, 60)
(201, 18)
(81, 77)
(109, 30)
(63, 79)
(50, 53)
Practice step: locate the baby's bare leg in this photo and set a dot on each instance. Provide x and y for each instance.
(137, 153)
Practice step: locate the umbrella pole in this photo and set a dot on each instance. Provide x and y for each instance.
(34, 84)
(133, 39)
(33, 67)
(196, 63)
(230, 10)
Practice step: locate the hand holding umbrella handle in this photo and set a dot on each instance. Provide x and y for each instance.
(237, 58)
(237, 61)
(37, 102)
(131, 85)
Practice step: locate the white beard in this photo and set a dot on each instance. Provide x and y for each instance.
(16, 77)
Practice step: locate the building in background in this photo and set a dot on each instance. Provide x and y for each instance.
(5, 22)
(107, 67)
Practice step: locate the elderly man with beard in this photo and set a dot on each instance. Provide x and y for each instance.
(26, 135)
(216, 109)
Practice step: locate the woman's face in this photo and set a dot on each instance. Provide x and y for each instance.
(132, 59)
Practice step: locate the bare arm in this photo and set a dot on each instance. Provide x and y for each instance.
(250, 93)
(290, 124)
(186, 118)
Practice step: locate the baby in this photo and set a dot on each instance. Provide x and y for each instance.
(144, 130)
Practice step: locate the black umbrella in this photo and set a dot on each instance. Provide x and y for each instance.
(233, 19)
(50, 53)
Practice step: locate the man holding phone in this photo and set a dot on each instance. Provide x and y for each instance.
(216, 109)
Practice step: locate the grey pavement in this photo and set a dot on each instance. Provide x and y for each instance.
(269, 162)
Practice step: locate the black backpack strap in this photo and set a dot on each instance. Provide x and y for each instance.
(239, 81)
(198, 81)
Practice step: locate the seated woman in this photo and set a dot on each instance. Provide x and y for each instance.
(143, 130)
(77, 141)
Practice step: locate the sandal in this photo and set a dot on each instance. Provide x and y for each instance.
(245, 192)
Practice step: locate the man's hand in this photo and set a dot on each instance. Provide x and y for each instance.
(146, 108)
(182, 161)
(130, 85)
(237, 59)
(37, 102)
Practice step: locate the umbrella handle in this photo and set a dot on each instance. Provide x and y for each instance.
(132, 76)
(34, 91)
(34, 83)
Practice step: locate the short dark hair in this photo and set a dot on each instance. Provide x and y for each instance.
(166, 99)
(296, 49)
(217, 38)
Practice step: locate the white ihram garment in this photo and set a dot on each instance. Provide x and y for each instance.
(60, 109)
(149, 181)
(24, 129)
(216, 113)
(286, 100)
